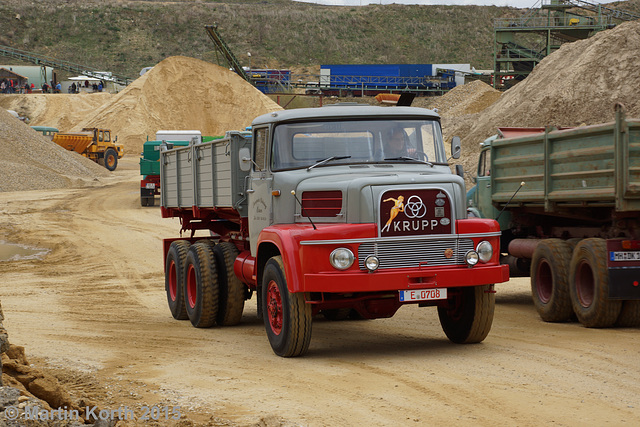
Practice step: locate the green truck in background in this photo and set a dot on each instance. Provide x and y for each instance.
(568, 204)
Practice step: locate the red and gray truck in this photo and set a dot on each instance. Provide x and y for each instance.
(315, 213)
(568, 204)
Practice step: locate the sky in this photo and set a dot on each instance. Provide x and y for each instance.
(525, 4)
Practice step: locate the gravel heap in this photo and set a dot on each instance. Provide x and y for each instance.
(470, 98)
(32, 162)
(578, 84)
(61, 110)
(180, 93)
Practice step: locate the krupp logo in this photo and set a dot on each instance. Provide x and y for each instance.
(414, 208)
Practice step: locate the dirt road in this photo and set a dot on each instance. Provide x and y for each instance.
(94, 312)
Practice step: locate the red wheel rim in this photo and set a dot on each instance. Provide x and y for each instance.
(274, 307)
(191, 286)
(454, 309)
(544, 281)
(173, 281)
(585, 284)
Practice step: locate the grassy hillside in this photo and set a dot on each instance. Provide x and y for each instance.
(125, 36)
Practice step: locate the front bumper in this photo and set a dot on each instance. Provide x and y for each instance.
(405, 279)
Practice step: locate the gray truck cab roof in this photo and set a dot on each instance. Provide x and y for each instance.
(344, 111)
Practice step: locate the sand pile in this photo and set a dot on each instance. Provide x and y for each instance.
(470, 98)
(180, 93)
(32, 162)
(578, 84)
(62, 111)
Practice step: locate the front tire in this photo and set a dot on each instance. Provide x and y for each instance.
(201, 285)
(589, 285)
(110, 159)
(287, 318)
(549, 280)
(467, 315)
(174, 277)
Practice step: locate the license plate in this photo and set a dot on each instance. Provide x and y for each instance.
(423, 295)
(150, 186)
(624, 256)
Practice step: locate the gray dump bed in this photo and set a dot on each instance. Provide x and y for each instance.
(204, 175)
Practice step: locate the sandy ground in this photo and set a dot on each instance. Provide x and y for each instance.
(94, 312)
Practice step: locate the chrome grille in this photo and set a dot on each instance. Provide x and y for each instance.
(410, 253)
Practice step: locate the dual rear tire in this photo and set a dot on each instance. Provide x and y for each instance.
(569, 277)
(201, 285)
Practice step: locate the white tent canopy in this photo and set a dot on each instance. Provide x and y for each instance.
(84, 78)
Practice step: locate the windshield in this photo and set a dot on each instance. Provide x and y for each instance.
(300, 145)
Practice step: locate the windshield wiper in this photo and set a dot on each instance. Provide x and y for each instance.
(327, 160)
(410, 158)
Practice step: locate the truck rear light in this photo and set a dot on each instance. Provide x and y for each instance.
(631, 244)
(321, 203)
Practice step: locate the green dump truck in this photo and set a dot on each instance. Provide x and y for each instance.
(568, 204)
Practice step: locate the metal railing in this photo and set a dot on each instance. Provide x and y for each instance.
(544, 22)
(597, 8)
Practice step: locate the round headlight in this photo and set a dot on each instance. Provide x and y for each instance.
(485, 251)
(471, 258)
(372, 263)
(341, 258)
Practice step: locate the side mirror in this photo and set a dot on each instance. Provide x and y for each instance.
(244, 157)
(460, 171)
(456, 147)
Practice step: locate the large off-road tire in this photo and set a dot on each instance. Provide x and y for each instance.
(201, 285)
(629, 315)
(231, 289)
(174, 276)
(467, 315)
(589, 285)
(110, 159)
(550, 280)
(287, 318)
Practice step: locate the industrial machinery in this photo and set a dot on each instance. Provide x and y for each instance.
(521, 43)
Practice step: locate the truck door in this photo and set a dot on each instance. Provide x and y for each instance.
(483, 185)
(260, 198)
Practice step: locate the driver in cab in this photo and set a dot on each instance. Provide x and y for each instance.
(396, 145)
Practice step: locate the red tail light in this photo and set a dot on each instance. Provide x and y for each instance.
(630, 244)
(321, 203)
